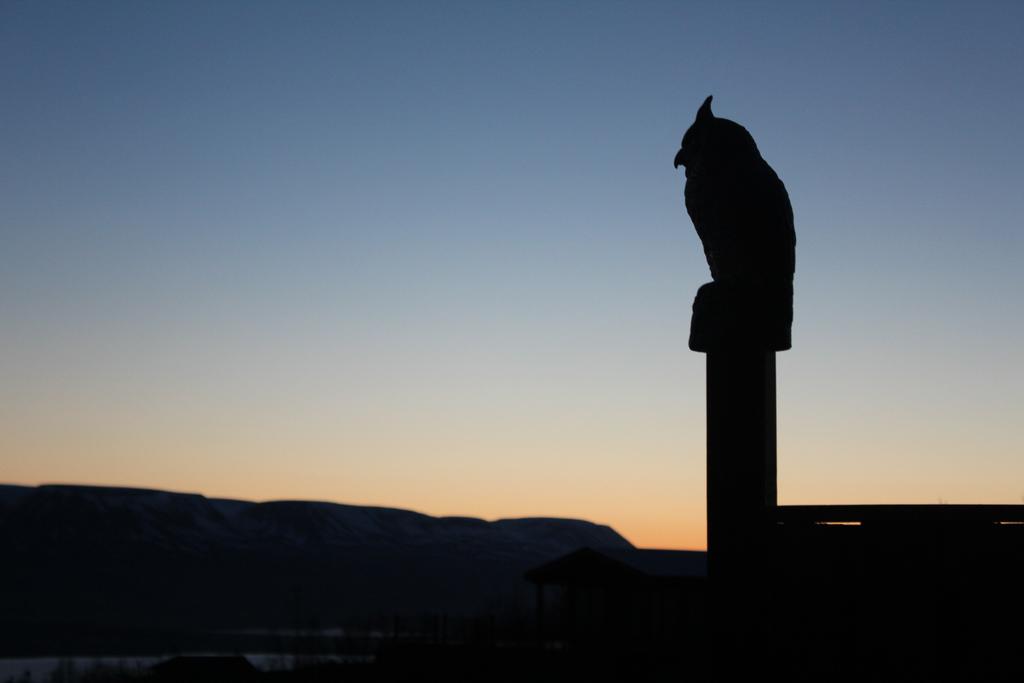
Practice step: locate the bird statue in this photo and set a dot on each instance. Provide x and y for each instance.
(742, 214)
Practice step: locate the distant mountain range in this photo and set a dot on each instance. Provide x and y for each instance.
(155, 559)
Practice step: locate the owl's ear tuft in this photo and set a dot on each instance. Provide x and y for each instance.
(704, 113)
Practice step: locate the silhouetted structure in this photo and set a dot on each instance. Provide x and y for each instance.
(858, 593)
(744, 219)
(642, 599)
(741, 212)
(895, 592)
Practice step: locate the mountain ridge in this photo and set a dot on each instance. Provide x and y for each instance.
(16, 489)
(131, 557)
(283, 518)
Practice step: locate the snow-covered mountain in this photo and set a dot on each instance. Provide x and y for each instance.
(156, 558)
(183, 521)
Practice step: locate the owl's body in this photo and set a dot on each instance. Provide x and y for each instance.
(744, 219)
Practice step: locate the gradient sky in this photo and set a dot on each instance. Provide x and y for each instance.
(435, 255)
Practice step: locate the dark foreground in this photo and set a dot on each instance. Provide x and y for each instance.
(448, 664)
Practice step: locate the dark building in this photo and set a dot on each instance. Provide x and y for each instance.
(629, 598)
(890, 592)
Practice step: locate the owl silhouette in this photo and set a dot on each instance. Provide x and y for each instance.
(744, 219)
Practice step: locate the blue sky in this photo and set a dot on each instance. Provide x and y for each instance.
(435, 255)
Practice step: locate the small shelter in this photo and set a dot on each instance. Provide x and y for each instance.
(625, 597)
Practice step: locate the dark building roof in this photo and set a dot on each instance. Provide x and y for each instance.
(678, 563)
(621, 565)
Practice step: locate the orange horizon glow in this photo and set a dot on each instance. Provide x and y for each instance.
(661, 534)
(438, 259)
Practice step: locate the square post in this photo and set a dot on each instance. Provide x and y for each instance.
(741, 490)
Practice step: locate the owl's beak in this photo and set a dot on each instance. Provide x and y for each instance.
(678, 160)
